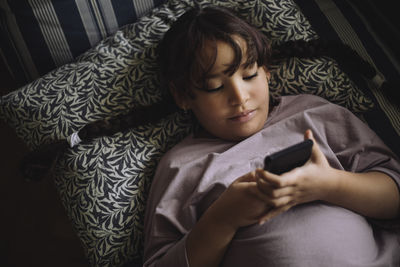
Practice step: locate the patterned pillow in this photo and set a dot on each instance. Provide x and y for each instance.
(322, 77)
(104, 183)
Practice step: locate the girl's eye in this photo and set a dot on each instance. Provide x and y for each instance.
(211, 90)
(246, 78)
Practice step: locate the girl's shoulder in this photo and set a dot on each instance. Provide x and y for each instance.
(304, 100)
(290, 105)
(308, 102)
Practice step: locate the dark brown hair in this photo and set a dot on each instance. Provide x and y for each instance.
(182, 58)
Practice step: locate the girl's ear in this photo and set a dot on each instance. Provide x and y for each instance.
(179, 97)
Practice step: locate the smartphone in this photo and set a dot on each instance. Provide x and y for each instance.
(289, 158)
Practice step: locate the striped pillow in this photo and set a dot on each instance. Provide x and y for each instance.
(39, 35)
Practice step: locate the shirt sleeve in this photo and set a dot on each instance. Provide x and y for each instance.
(171, 254)
(165, 225)
(360, 149)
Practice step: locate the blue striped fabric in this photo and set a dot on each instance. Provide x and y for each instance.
(40, 35)
(384, 119)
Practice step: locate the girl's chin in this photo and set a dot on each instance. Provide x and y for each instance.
(235, 131)
(241, 134)
(245, 130)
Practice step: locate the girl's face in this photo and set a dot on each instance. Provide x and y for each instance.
(232, 107)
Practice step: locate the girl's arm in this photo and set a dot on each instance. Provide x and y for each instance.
(207, 242)
(240, 205)
(371, 194)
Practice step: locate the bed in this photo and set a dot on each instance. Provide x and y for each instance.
(70, 75)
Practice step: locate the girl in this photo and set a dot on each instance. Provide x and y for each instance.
(212, 204)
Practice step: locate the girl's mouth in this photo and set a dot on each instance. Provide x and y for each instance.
(243, 116)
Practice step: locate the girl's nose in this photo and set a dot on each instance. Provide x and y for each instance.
(239, 93)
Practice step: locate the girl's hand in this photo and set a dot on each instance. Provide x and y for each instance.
(241, 204)
(300, 185)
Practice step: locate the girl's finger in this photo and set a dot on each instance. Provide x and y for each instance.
(261, 195)
(273, 212)
(316, 153)
(281, 202)
(273, 179)
(317, 156)
(249, 177)
(285, 196)
(279, 181)
(273, 192)
(265, 187)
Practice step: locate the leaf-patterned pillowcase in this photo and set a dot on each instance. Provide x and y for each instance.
(104, 183)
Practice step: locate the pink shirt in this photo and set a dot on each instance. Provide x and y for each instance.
(196, 171)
